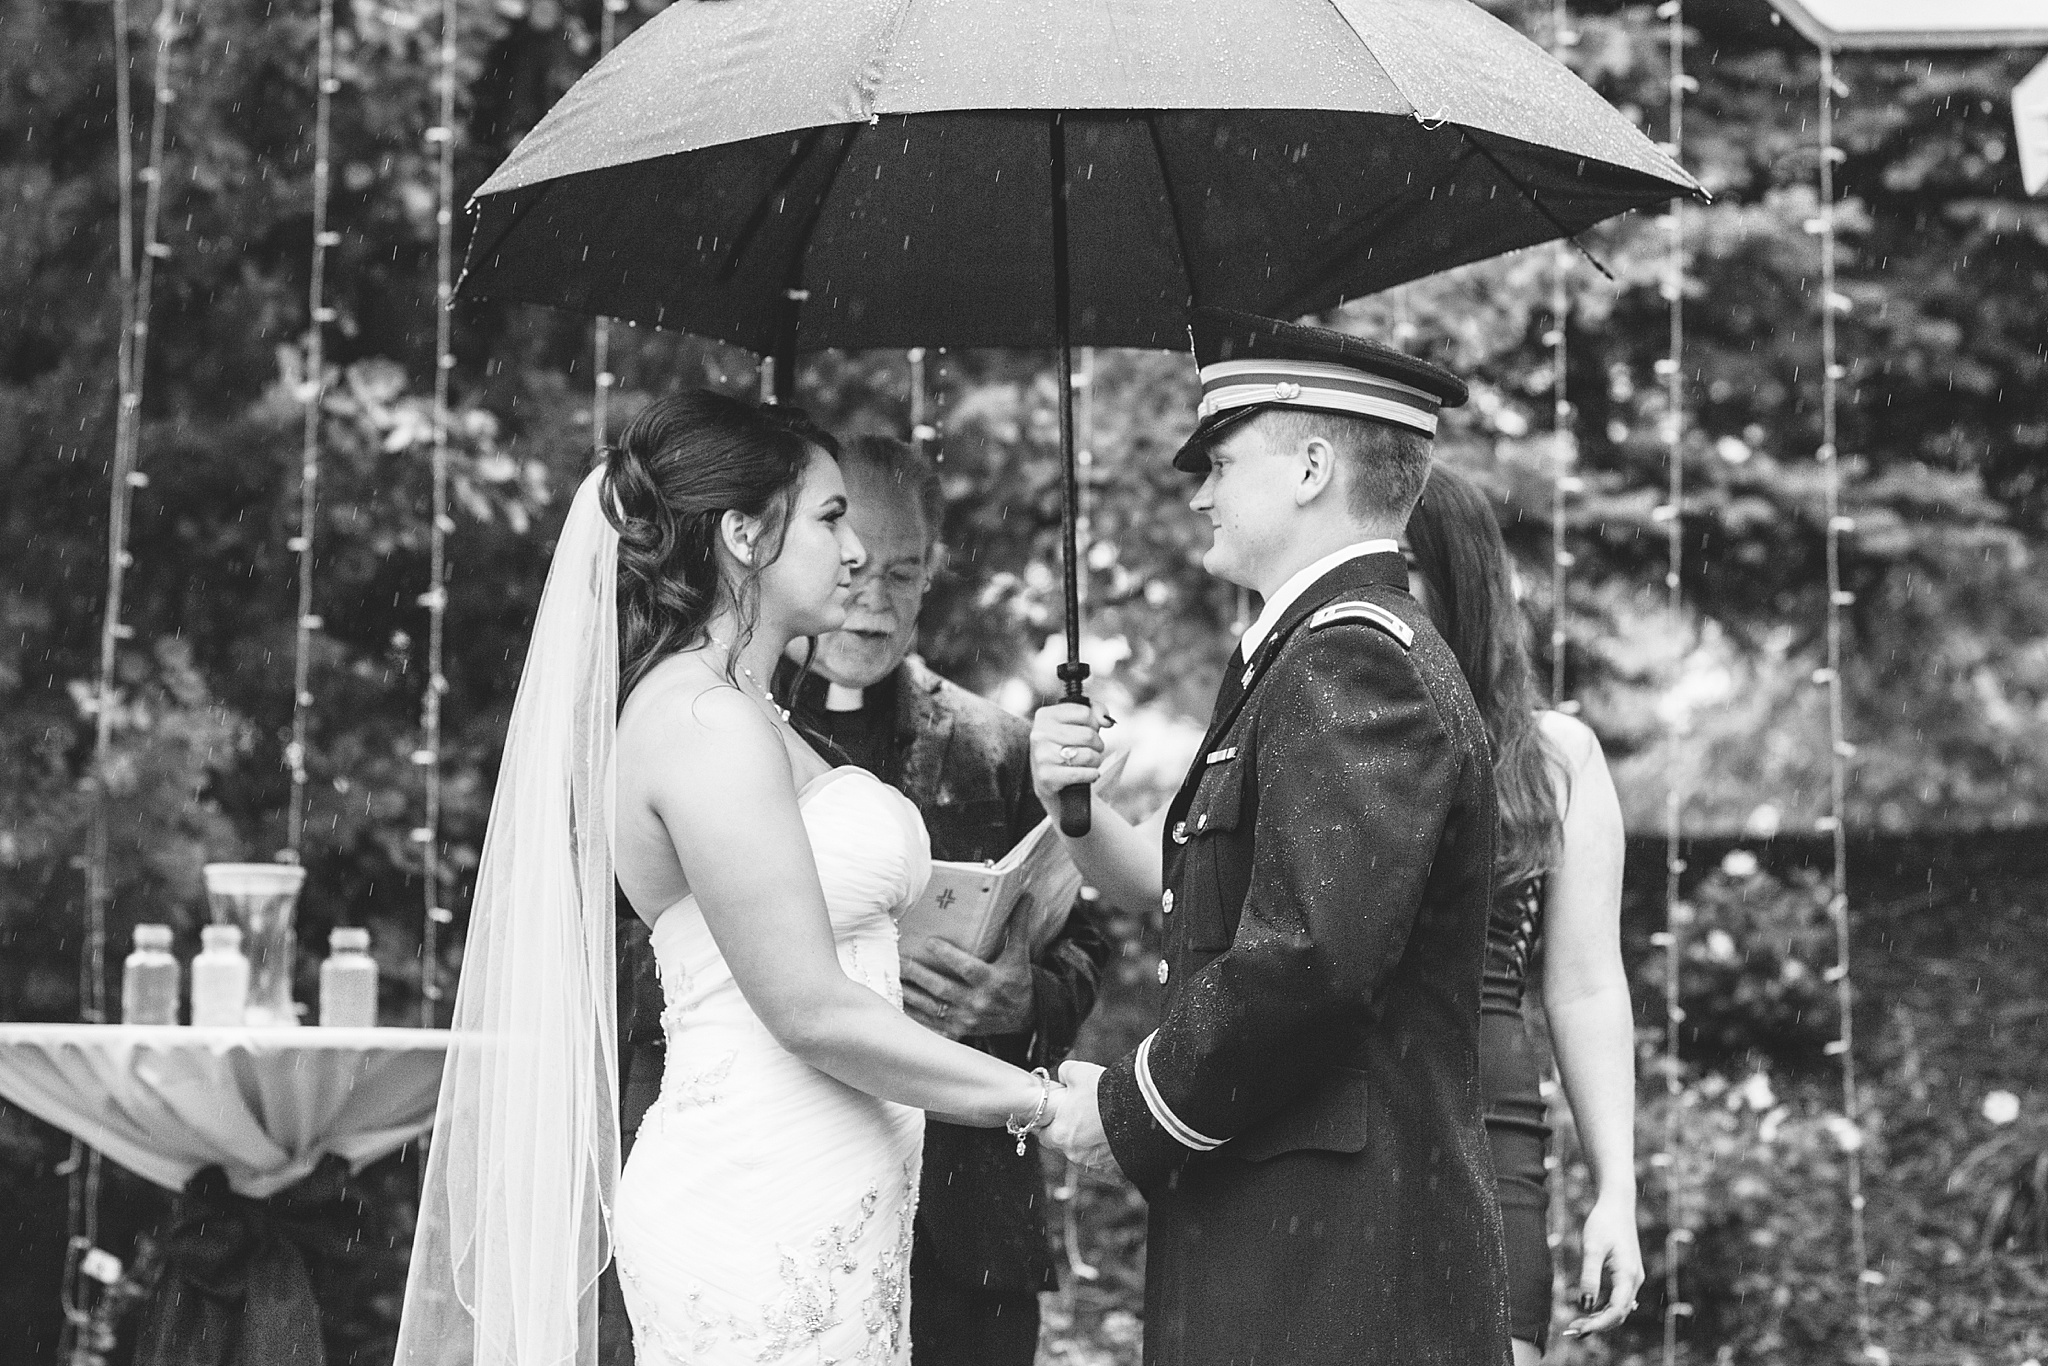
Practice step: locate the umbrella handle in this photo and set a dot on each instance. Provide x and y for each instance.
(1076, 801)
(1076, 814)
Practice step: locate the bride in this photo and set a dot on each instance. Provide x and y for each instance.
(766, 1213)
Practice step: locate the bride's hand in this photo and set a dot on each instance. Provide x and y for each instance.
(1075, 1131)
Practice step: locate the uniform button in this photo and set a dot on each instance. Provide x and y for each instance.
(1164, 972)
(1166, 901)
(1180, 832)
(1202, 821)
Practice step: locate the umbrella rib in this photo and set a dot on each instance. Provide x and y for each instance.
(759, 217)
(1301, 301)
(810, 224)
(1535, 202)
(792, 285)
(1180, 231)
(1414, 109)
(475, 251)
(1472, 141)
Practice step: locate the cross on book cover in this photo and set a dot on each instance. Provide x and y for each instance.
(973, 904)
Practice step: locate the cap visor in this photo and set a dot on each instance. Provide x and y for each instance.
(1193, 456)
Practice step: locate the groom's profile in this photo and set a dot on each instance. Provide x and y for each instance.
(1305, 1121)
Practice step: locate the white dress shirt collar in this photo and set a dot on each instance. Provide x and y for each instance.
(1277, 605)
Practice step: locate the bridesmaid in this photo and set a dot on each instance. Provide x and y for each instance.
(1558, 879)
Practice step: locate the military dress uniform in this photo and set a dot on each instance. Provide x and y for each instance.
(1306, 1121)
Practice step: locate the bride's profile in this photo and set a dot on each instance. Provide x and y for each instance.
(765, 1215)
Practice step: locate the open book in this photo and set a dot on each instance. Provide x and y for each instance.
(972, 904)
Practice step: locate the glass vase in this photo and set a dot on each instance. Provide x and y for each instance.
(262, 900)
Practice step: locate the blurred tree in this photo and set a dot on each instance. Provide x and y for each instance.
(1944, 432)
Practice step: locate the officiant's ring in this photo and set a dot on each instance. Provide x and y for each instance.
(1067, 754)
(944, 1010)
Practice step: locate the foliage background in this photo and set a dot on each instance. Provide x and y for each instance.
(1945, 433)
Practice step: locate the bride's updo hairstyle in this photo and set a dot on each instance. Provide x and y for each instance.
(683, 463)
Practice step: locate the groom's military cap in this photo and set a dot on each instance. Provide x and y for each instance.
(1249, 364)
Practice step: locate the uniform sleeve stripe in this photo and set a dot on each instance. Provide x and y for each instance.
(1168, 1120)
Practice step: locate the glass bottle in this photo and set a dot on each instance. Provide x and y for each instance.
(348, 981)
(149, 979)
(220, 977)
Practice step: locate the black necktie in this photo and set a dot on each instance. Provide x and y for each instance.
(1233, 684)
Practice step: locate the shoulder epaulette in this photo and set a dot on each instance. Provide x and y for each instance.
(1371, 613)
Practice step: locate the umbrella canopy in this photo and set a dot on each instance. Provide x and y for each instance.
(796, 174)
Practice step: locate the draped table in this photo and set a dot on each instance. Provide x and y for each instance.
(257, 1130)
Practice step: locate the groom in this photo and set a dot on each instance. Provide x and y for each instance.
(1305, 1122)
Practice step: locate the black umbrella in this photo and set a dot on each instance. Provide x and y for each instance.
(796, 174)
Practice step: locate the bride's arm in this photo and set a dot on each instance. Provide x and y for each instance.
(725, 795)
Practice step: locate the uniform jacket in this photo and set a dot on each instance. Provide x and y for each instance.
(965, 762)
(1305, 1122)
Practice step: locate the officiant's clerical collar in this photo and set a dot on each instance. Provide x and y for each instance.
(839, 697)
(1277, 605)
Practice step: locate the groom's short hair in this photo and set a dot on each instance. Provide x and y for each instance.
(1385, 466)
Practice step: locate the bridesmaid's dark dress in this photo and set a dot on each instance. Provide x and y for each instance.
(1515, 1113)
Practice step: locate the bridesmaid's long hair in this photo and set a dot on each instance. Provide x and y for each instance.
(678, 468)
(1458, 551)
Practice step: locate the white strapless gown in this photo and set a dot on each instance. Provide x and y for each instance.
(765, 1214)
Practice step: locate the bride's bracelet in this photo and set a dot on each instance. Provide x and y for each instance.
(1023, 1131)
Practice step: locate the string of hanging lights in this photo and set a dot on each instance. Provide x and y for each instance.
(1839, 749)
(428, 756)
(313, 391)
(922, 432)
(1564, 443)
(601, 330)
(84, 1262)
(1670, 513)
(1084, 454)
(1563, 483)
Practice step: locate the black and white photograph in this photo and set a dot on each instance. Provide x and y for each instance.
(1023, 682)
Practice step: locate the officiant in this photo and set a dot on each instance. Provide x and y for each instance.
(982, 1253)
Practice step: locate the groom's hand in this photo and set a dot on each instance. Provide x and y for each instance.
(1066, 748)
(950, 991)
(1076, 1128)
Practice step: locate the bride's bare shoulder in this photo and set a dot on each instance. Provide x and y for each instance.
(686, 701)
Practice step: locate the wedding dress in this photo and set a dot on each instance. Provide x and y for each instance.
(765, 1213)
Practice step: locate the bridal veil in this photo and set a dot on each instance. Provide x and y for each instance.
(515, 1210)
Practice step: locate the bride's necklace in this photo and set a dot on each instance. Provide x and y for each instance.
(764, 694)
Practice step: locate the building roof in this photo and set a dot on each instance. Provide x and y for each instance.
(1863, 25)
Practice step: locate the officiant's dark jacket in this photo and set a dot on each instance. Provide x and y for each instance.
(1329, 1198)
(965, 762)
